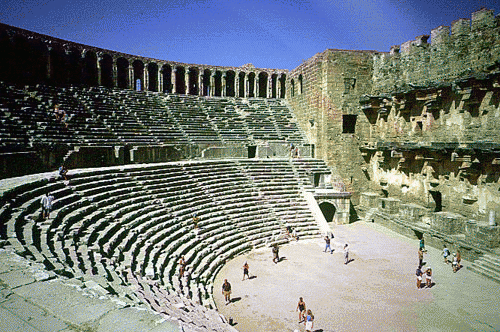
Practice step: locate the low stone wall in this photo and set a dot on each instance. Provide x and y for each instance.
(471, 237)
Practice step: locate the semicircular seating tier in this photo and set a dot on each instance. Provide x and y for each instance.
(125, 228)
(99, 116)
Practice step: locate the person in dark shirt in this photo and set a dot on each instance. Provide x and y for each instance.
(226, 291)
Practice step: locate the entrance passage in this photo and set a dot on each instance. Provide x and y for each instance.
(328, 210)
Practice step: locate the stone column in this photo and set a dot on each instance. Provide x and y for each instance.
(187, 82)
(212, 85)
(247, 86)
(269, 86)
(131, 81)
(49, 64)
(160, 79)
(200, 84)
(223, 85)
(255, 85)
(173, 80)
(99, 74)
(146, 79)
(114, 73)
(237, 85)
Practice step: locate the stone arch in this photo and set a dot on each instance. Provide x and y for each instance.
(180, 80)
(75, 67)
(301, 84)
(6, 57)
(138, 67)
(262, 89)
(251, 84)
(152, 76)
(282, 92)
(328, 209)
(166, 73)
(33, 71)
(89, 71)
(206, 82)
(193, 76)
(241, 87)
(106, 64)
(218, 83)
(230, 83)
(122, 73)
(58, 66)
(21, 62)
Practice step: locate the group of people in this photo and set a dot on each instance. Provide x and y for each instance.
(455, 261)
(46, 203)
(305, 316)
(61, 116)
(327, 239)
(424, 276)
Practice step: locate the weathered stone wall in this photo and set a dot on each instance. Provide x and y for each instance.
(434, 134)
(327, 107)
(469, 46)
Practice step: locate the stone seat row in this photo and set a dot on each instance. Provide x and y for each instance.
(97, 227)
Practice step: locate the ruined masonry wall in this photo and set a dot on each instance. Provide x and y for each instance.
(468, 46)
(332, 83)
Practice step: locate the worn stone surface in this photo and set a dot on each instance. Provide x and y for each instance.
(137, 321)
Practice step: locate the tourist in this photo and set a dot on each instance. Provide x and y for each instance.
(446, 253)
(420, 257)
(459, 259)
(64, 119)
(186, 278)
(419, 276)
(301, 308)
(428, 277)
(346, 254)
(327, 244)
(245, 271)
(182, 266)
(422, 244)
(294, 234)
(226, 291)
(309, 321)
(58, 112)
(454, 264)
(196, 219)
(276, 255)
(63, 172)
(46, 203)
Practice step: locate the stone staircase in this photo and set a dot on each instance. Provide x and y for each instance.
(487, 265)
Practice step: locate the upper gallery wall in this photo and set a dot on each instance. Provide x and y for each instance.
(32, 58)
(469, 46)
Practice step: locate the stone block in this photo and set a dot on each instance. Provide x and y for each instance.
(33, 314)
(448, 223)
(66, 302)
(369, 200)
(440, 35)
(486, 235)
(389, 205)
(460, 27)
(413, 212)
(482, 19)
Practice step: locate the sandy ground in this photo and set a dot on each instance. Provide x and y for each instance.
(376, 291)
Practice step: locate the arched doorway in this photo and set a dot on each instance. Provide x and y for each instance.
(328, 210)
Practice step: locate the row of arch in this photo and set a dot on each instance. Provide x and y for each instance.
(33, 60)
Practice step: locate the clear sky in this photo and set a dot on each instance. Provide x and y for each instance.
(267, 33)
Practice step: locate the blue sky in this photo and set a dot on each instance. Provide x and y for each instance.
(268, 34)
